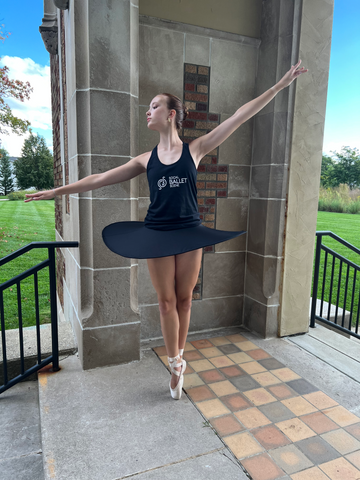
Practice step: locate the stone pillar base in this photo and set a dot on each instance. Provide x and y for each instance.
(110, 345)
(261, 318)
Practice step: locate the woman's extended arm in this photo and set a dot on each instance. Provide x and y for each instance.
(116, 175)
(203, 145)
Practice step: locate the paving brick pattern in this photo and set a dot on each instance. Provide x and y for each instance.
(276, 423)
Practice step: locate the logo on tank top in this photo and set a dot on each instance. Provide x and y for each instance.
(162, 183)
(174, 181)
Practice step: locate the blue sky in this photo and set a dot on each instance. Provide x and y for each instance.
(25, 53)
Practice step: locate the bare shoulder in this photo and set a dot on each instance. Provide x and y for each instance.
(142, 160)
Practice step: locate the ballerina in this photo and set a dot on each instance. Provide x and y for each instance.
(172, 237)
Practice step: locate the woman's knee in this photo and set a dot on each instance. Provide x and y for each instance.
(184, 303)
(167, 304)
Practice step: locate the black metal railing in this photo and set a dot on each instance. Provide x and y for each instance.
(340, 287)
(49, 262)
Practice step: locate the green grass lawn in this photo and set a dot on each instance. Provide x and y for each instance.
(22, 223)
(346, 226)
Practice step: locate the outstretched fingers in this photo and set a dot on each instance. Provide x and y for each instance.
(296, 70)
(35, 196)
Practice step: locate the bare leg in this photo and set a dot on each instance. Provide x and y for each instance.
(162, 273)
(187, 267)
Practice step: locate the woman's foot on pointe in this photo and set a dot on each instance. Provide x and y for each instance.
(177, 379)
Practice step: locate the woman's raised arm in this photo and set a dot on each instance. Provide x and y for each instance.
(203, 145)
(131, 169)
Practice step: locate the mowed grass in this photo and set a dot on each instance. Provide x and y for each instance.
(22, 223)
(346, 226)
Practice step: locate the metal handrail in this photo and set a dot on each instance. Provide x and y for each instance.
(343, 260)
(49, 262)
(30, 246)
(339, 239)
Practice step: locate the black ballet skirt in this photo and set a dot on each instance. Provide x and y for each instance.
(172, 224)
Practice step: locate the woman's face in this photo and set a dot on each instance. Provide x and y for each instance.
(158, 113)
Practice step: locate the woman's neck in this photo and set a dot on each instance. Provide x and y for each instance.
(169, 140)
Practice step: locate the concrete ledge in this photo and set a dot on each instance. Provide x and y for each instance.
(67, 346)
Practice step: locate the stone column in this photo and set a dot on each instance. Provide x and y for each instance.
(305, 162)
(270, 164)
(286, 163)
(102, 102)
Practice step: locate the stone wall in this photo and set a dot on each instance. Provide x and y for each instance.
(190, 62)
(253, 279)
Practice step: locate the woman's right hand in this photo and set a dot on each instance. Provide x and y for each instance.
(45, 195)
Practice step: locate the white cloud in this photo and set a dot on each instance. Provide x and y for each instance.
(336, 146)
(38, 109)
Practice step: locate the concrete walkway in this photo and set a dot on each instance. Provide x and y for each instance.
(119, 422)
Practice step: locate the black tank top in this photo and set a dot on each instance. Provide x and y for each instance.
(173, 193)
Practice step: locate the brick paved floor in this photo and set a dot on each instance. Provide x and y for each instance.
(275, 422)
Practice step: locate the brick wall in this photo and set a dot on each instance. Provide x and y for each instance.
(212, 178)
(64, 93)
(58, 168)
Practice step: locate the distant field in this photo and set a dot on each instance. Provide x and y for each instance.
(346, 226)
(22, 223)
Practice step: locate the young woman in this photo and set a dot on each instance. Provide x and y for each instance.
(171, 237)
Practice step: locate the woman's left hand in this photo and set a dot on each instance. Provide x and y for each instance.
(294, 72)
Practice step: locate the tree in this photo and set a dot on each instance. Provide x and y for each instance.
(12, 89)
(6, 181)
(327, 172)
(347, 167)
(35, 167)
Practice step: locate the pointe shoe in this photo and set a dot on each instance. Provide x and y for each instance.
(181, 352)
(174, 362)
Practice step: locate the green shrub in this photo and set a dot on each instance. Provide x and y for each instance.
(336, 206)
(340, 200)
(354, 207)
(19, 195)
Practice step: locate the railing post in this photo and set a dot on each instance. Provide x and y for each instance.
(54, 324)
(316, 280)
(3, 338)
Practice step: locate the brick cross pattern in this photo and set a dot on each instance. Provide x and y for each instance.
(212, 178)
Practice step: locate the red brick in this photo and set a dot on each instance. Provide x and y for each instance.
(222, 168)
(197, 115)
(190, 86)
(214, 160)
(196, 97)
(211, 184)
(221, 185)
(210, 201)
(201, 107)
(221, 193)
(201, 168)
(188, 124)
(212, 168)
(200, 185)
